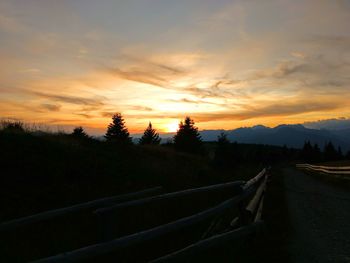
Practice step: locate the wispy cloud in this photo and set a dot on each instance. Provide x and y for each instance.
(139, 108)
(50, 107)
(332, 124)
(147, 71)
(142, 77)
(270, 110)
(95, 101)
(10, 24)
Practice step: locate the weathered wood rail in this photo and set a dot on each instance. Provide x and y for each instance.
(57, 230)
(91, 205)
(162, 209)
(182, 237)
(342, 172)
(183, 255)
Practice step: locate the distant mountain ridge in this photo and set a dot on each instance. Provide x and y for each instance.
(290, 135)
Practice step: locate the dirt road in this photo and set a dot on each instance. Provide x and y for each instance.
(320, 218)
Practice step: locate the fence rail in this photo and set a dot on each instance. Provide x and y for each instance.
(188, 252)
(19, 222)
(341, 172)
(252, 192)
(144, 236)
(184, 235)
(174, 195)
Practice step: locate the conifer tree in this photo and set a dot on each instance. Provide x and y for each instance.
(150, 136)
(340, 153)
(330, 154)
(187, 138)
(307, 151)
(317, 156)
(117, 131)
(222, 140)
(285, 152)
(79, 132)
(222, 156)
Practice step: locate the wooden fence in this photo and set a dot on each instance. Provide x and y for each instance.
(342, 172)
(91, 205)
(225, 212)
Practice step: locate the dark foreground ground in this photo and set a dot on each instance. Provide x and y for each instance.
(319, 212)
(307, 219)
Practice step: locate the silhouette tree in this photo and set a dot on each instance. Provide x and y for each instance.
(79, 133)
(330, 154)
(307, 152)
(340, 153)
(222, 153)
(316, 153)
(285, 153)
(222, 140)
(117, 131)
(150, 136)
(187, 138)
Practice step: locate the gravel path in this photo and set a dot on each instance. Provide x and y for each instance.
(320, 219)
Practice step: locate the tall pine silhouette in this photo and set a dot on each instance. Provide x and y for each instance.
(330, 154)
(306, 152)
(150, 136)
(117, 131)
(187, 138)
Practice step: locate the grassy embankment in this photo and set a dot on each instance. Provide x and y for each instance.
(56, 170)
(50, 171)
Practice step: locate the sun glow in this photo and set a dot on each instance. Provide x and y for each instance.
(172, 126)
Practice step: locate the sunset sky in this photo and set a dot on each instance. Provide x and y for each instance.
(225, 63)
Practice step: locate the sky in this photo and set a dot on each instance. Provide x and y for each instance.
(224, 63)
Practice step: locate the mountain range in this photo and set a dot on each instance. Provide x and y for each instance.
(289, 135)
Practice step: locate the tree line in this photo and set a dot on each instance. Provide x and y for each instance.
(313, 153)
(186, 139)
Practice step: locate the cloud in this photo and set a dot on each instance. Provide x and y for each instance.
(272, 110)
(290, 108)
(342, 42)
(147, 62)
(50, 107)
(142, 77)
(31, 70)
(330, 124)
(202, 102)
(107, 114)
(96, 101)
(139, 108)
(249, 112)
(282, 70)
(298, 54)
(144, 70)
(244, 67)
(87, 116)
(210, 92)
(10, 24)
(191, 101)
